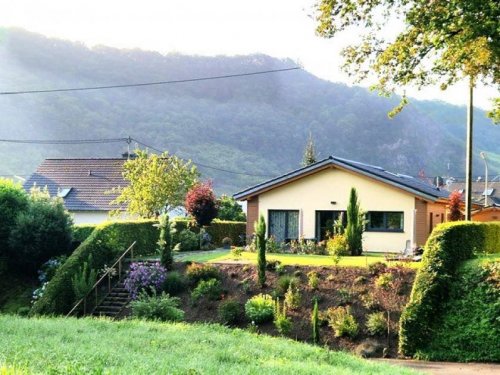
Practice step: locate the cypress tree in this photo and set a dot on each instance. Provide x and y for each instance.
(165, 242)
(355, 225)
(260, 233)
(315, 322)
(309, 153)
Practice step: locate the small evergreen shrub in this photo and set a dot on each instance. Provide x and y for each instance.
(174, 283)
(272, 265)
(210, 289)
(153, 307)
(230, 312)
(385, 280)
(83, 281)
(377, 268)
(292, 297)
(187, 241)
(284, 282)
(143, 277)
(281, 321)
(196, 272)
(344, 296)
(342, 322)
(313, 280)
(360, 280)
(376, 323)
(315, 323)
(260, 308)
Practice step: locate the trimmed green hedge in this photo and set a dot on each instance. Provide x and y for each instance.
(107, 242)
(218, 230)
(82, 232)
(447, 247)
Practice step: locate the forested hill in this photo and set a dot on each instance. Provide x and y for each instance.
(256, 125)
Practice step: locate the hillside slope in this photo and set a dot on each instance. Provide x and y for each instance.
(256, 125)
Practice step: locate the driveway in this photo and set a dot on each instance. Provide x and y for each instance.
(447, 368)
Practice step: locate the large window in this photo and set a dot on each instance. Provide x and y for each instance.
(380, 221)
(284, 224)
(324, 222)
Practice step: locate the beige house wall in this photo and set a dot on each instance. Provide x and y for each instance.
(95, 217)
(317, 191)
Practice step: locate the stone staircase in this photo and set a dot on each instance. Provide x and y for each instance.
(114, 303)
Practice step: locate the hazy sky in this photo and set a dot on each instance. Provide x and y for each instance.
(280, 28)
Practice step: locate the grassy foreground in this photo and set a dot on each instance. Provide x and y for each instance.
(289, 259)
(95, 346)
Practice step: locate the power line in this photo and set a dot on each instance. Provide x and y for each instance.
(64, 141)
(205, 165)
(150, 83)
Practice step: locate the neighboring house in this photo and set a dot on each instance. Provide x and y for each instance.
(303, 203)
(482, 212)
(83, 184)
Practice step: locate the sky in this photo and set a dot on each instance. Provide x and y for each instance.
(280, 28)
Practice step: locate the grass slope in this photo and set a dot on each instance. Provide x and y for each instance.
(91, 346)
(288, 259)
(470, 327)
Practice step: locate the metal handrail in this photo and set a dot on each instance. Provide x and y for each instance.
(103, 277)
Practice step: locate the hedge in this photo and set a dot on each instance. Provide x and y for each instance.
(82, 231)
(447, 247)
(107, 242)
(218, 230)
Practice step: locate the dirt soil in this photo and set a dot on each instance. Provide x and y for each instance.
(338, 286)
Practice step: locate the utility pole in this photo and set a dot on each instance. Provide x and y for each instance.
(468, 156)
(483, 156)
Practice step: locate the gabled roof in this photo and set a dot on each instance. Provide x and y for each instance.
(493, 192)
(412, 185)
(83, 182)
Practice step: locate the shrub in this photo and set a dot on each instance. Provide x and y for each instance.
(13, 200)
(41, 231)
(448, 245)
(165, 242)
(236, 252)
(108, 241)
(337, 246)
(315, 323)
(229, 209)
(313, 279)
(84, 280)
(272, 246)
(144, 277)
(260, 308)
(360, 280)
(282, 323)
(217, 230)
(272, 265)
(344, 296)
(210, 289)
(49, 268)
(284, 282)
(229, 312)
(384, 280)
(260, 235)
(292, 297)
(377, 268)
(342, 321)
(187, 241)
(174, 283)
(201, 203)
(82, 231)
(227, 242)
(355, 225)
(376, 323)
(196, 272)
(369, 301)
(153, 307)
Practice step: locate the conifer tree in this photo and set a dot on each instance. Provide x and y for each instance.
(315, 322)
(165, 242)
(309, 153)
(260, 233)
(355, 225)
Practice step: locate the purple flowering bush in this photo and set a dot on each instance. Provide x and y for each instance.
(144, 277)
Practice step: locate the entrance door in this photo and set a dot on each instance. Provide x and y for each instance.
(324, 222)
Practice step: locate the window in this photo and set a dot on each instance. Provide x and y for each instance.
(379, 221)
(284, 224)
(63, 193)
(324, 222)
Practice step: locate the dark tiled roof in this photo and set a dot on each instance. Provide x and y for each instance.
(478, 192)
(88, 179)
(408, 183)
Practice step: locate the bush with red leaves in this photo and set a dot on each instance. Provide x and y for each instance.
(455, 202)
(201, 203)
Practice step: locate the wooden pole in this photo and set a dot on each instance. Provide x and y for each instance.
(468, 157)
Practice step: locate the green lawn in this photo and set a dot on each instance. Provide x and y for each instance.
(94, 346)
(288, 259)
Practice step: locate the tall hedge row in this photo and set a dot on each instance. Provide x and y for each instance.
(105, 244)
(218, 230)
(448, 246)
(82, 231)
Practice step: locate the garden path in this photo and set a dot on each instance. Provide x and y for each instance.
(447, 368)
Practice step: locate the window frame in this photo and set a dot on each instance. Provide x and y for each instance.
(385, 229)
(287, 238)
(317, 228)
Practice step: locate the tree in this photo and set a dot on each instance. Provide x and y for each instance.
(355, 225)
(442, 41)
(165, 242)
(13, 200)
(260, 233)
(157, 183)
(454, 206)
(229, 209)
(41, 232)
(309, 153)
(201, 203)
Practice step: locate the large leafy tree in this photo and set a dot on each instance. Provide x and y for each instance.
(229, 209)
(157, 183)
(441, 42)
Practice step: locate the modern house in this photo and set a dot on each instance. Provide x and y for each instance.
(486, 199)
(400, 209)
(83, 184)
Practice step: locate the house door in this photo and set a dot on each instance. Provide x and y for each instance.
(324, 223)
(284, 224)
